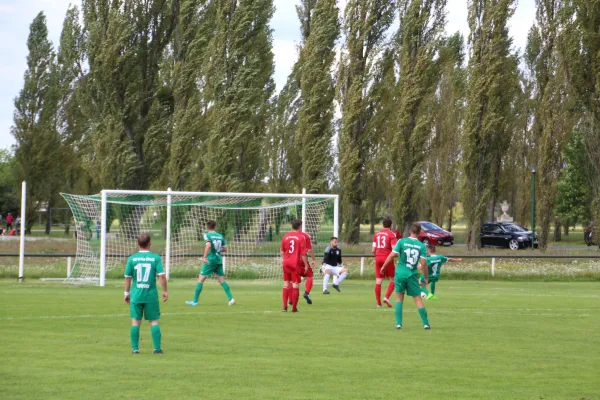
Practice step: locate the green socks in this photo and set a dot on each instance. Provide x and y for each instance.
(227, 290)
(398, 312)
(156, 336)
(197, 291)
(135, 337)
(423, 314)
(432, 287)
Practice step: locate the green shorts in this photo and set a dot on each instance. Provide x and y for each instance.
(151, 311)
(210, 269)
(432, 279)
(409, 284)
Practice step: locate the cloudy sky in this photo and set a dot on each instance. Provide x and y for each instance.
(16, 15)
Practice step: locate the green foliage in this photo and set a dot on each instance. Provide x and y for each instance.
(8, 194)
(365, 25)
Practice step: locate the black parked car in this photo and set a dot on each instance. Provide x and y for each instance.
(506, 234)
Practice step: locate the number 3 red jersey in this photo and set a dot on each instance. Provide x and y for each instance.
(293, 247)
(383, 242)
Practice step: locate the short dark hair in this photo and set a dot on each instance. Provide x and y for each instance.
(431, 248)
(144, 240)
(297, 223)
(387, 222)
(212, 224)
(333, 238)
(415, 228)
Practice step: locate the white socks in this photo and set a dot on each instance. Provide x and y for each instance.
(341, 278)
(326, 281)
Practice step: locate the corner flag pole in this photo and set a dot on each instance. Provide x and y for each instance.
(23, 227)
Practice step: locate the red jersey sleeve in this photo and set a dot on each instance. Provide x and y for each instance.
(393, 240)
(308, 243)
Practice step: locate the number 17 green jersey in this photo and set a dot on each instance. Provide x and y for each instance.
(217, 242)
(142, 268)
(411, 250)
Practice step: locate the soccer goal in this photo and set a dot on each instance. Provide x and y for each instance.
(107, 226)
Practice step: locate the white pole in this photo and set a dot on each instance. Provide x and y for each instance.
(304, 210)
(362, 266)
(168, 246)
(221, 194)
(23, 227)
(336, 211)
(103, 239)
(68, 266)
(493, 266)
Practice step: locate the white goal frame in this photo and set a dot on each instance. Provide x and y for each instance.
(169, 193)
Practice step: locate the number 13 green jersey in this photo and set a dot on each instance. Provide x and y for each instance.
(411, 251)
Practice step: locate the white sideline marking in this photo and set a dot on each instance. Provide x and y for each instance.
(482, 311)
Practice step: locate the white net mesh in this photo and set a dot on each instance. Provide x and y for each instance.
(252, 226)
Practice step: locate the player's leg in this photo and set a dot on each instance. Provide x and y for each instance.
(424, 292)
(285, 292)
(412, 289)
(296, 291)
(378, 280)
(342, 273)
(432, 286)
(308, 285)
(152, 315)
(326, 276)
(136, 311)
(389, 273)
(221, 278)
(206, 271)
(400, 286)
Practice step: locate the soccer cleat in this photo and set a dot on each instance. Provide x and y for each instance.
(398, 326)
(326, 292)
(294, 310)
(191, 303)
(336, 287)
(434, 297)
(231, 302)
(159, 352)
(135, 352)
(429, 296)
(290, 303)
(426, 327)
(386, 301)
(378, 305)
(307, 297)
(284, 310)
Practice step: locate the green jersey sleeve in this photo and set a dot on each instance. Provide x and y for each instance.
(444, 259)
(129, 269)
(423, 252)
(398, 247)
(159, 266)
(224, 242)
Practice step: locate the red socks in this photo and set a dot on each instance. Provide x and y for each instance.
(284, 295)
(308, 285)
(390, 290)
(295, 296)
(378, 293)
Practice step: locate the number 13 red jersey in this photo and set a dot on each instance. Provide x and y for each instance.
(383, 242)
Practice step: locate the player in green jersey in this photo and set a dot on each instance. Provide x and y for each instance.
(141, 271)
(412, 257)
(434, 267)
(213, 263)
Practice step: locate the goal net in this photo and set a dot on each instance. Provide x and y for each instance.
(253, 225)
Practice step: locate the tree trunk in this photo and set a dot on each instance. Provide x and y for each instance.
(557, 230)
(49, 218)
(450, 220)
(566, 227)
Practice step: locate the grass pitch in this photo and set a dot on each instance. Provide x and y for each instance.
(489, 340)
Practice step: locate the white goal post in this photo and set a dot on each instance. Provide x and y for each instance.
(253, 223)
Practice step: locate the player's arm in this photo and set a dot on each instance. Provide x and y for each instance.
(224, 249)
(374, 247)
(455, 260)
(127, 289)
(313, 258)
(206, 251)
(424, 269)
(388, 260)
(163, 283)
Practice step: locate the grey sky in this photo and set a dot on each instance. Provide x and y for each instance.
(15, 17)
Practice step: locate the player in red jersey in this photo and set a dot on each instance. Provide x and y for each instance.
(293, 252)
(383, 243)
(308, 284)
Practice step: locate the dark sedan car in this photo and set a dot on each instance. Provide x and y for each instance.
(511, 235)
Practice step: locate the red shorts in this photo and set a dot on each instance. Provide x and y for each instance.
(291, 274)
(389, 270)
(307, 274)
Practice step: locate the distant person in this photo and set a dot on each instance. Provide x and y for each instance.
(398, 233)
(140, 277)
(9, 221)
(332, 265)
(383, 244)
(18, 225)
(434, 266)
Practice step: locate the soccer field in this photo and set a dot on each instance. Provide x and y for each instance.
(489, 340)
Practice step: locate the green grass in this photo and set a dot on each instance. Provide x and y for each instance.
(490, 340)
